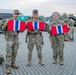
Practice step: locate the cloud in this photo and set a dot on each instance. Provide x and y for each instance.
(45, 7)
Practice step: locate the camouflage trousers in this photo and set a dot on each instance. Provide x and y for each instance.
(34, 40)
(57, 43)
(12, 46)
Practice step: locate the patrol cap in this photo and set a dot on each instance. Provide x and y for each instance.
(35, 11)
(16, 11)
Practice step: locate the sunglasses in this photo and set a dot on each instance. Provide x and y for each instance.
(35, 13)
(16, 13)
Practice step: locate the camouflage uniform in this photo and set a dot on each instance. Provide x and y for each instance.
(57, 42)
(71, 31)
(34, 37)
(1, 23)
(12, 44)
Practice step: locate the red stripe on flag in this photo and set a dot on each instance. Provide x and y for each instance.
(41, 26)
(10, 25)
(30, 25)
(22, 26)
(53, 30)
(65, 28)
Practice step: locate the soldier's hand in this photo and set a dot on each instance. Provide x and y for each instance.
(26, 41)
(21, 31)
(43, 43)
(69, 28)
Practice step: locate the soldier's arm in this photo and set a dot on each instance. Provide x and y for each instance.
(69, 24)
(27, 34)
(50, 34)
(2, 23)
(47, 27)
(4, 27)
(42, 38)
(50, 25)
(27, 30)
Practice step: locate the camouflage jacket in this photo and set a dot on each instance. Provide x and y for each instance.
(38, 31)
(2, 23)
(4, 28)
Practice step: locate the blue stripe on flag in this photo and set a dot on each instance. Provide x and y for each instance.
(59, 30)
(35, 25)
(16, 25)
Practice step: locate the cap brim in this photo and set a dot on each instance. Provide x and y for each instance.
(16, 12)
(35, 12)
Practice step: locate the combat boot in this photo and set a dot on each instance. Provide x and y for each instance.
(14, 66)
(28, 63)
(8, 70)
(61, 62)
(54, 61)
(41, 62)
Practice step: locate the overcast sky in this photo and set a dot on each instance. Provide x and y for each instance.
(45, 7)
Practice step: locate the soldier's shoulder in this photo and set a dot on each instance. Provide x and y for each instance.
(51, 22)
(10, 18)
(61, 21)
(2, 21)
(30, 19)
(40, 19)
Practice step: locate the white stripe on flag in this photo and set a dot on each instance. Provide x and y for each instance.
(19, 26)
(33, 26)
(57, 29)
(14, 25)
(38, 25)
(61, 28)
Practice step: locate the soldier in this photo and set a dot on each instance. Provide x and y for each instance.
(71, 31)
(12, 45)
(34, 37)
(40, 35)
(57, 41)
